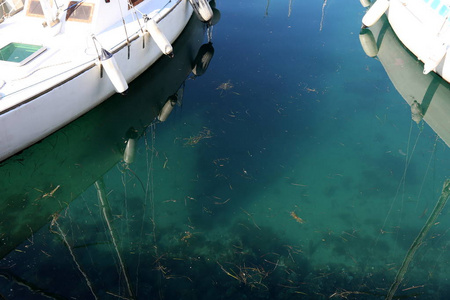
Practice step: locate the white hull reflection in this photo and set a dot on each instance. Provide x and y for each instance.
(78, 155)
(428, 95)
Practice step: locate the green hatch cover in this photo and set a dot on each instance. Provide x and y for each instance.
(20, 53)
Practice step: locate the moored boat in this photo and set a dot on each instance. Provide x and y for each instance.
(60, 59)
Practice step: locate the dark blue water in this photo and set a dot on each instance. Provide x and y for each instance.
(290, 169)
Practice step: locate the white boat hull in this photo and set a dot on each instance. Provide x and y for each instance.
(66, 97)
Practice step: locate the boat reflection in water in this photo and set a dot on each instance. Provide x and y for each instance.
(429, 99)
(45, 253)
(428, 95)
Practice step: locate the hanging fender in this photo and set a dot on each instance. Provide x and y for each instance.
(159, 38)
(111, 68)
(167, 108)
(375, 12)
(368, 42)
(203, 58)
(365, 3)
(131, 138)
(130, 151)
(202, 9)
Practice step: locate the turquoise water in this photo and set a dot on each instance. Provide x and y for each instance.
(291, 169)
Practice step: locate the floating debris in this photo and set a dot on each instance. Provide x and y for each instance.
(296, 218)
(194, 140)
(225, 86)
(323, 14)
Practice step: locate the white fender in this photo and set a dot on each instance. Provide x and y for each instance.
(375, 12)
(365, 3)
(112, 70)
(159, 38)
(166, 110)
(203, 58)
(368, 42)
(130, 150)
(203, 9)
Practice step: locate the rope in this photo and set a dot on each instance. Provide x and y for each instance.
(135, 14)
(104, 206)
(63, 236)
(148, 195)
(402, 181)
(428, 168)
(73, 5)
(125, 28)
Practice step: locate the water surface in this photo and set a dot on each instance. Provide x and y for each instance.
(290, 169)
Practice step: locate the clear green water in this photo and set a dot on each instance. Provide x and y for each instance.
(291, 169)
